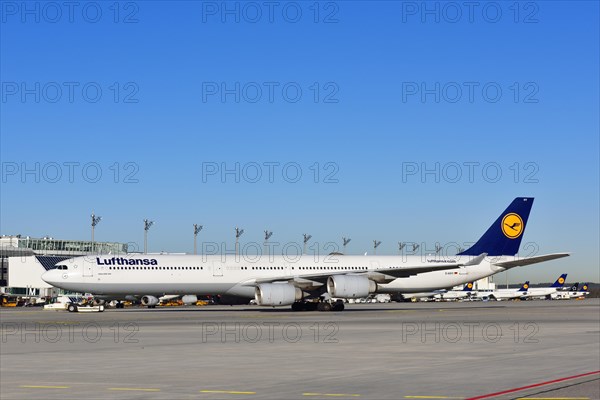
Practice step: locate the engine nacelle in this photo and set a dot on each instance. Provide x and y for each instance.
(276, 294)
(350, 286)
(189, 299)
(149, 301)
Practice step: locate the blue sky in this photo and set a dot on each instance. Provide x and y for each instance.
(155, 95)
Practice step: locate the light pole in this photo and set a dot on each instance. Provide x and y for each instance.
(147, 225)
(345, 241)
(238, 233)
(376, 244)
(400, 247)
(306, 239)
(268, 235)
(197, 229)
(95, 221)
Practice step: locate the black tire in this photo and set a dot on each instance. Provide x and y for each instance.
(311, 306)
(298, 306)
(339, 306)
(324, 306)
(72, 308)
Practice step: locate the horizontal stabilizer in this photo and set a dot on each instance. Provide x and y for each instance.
(530, 260)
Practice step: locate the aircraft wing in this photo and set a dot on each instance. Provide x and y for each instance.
(405, 272)
(530, 260)
(380, 275)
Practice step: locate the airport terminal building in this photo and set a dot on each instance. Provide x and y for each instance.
(24, 259)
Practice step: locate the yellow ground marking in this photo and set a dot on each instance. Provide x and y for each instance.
(226, 392)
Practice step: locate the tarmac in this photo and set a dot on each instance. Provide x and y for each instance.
(495, 350)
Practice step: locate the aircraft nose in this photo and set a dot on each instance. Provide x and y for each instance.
(51, 277)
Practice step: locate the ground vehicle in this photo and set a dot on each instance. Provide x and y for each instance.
(61, 302)
(73, 304)
(85, 307)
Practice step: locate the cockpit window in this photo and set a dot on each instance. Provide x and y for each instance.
(62, 267)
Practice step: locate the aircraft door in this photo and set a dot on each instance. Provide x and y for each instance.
(87, 269)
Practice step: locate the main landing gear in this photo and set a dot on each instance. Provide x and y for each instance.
(338, 305)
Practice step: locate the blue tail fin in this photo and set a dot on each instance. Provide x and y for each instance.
(524, 287)
(584, 287)
(468, 287)
(503, 238)
(560, 281)
(574, 287)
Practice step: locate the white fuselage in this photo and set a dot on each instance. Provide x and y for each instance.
(231, 275)
(540, 292)
(501, 294)
(455, 294)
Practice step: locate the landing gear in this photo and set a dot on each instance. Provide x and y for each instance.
(339, 305)
(119, 305)
(72, 308)
(322, 306)
(305, 306)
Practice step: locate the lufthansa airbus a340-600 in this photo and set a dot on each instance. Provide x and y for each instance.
(305, 283)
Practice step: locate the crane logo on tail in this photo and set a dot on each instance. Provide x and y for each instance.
(512, 225)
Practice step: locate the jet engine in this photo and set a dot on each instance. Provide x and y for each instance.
(149, 301)
(276, 294)
(350, 286)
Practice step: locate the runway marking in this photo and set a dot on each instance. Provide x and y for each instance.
(44, 387)
(136, 389)
(226, 392)
(332, 394)
(520, 389)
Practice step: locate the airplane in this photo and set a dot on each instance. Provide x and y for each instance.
(419, 296)
(581, 292)
(438, 294)
(503, 294)
(466, 291)
(546, 292)
(304, 282)
(574, 292)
